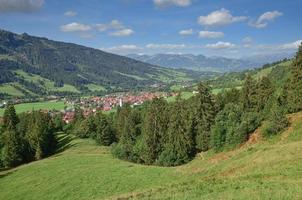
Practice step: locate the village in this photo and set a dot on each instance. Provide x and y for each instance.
(90, 105)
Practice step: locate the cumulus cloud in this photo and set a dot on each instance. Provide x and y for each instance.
(265, 18)
(20, 5)
(220, 45)
(75, 27)
(70, 13)
(219, 18)
(210, 34)
(291, 46)
(113, 25)
(247, 40)
(123, 49)
(122, 32)
(167, 3)
(166, 46)
(186, 32)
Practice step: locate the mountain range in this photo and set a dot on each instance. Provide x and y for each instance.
(214, 63)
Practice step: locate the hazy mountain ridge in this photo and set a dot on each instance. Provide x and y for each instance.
(214, 63)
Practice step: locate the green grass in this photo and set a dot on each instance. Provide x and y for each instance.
(47, 105)
(131, 76)
(265, 170)
(95, 88)
(184, 95)
(10, 89)
(47, 84)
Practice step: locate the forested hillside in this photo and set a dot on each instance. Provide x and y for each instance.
(32, 65)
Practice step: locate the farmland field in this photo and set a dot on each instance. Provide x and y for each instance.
(47, 105)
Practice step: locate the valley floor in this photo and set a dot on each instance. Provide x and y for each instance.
(84, 171)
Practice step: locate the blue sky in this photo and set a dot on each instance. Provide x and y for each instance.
(231, 28)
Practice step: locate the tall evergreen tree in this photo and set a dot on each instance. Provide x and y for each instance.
(204, 117)
(10, 118)
(11, 153)
(264, 91)
(178, 147)
(294, 90)
(154, 130)
(248, 94)
(103, 134)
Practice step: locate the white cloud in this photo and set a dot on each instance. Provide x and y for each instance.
(219, 18)
(20, 5)
(122, 32)
(113, 25)
(166, 46)
(247, 40)
(265, 18)
(220, 45)
(124, 49)
(70, 13)
(167, 3)
(186, 32)
(210, 34)
(75, 27)
(291, 46)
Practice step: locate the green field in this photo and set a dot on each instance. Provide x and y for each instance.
(184, 95)
(264, 170)
(47, 105)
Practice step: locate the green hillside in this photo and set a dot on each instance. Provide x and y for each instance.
(33, 66)
(258, 170)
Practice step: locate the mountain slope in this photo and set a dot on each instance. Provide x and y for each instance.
(73, 65)
(264, 170)
(203, 63)
(199, 62)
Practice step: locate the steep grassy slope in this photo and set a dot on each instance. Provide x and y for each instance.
(263, 170)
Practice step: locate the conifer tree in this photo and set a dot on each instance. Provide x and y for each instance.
(154, 130)
(11, 153)
(264, 93)
(204, 117)
(248, 94)
(103, 133)
(178, 147)
(294, 92)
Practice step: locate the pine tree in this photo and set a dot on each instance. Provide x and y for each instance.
(248, 94)
(103, 134)
(264, 93)
(10, 118)
(205, 112)
(11, 153)
(154, 130)
(294, 92)
(178, 147)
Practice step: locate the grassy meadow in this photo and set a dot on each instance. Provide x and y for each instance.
(47, 105)
(268, 169)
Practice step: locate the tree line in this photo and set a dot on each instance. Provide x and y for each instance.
(27, 137)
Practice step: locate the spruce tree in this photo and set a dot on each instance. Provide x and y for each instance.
(294, 92)
(103, 134)
(12, 149)
(154, 130)
(10, 118)
(248, 94)
(204, 113)
(264, 93)
(178, 147)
